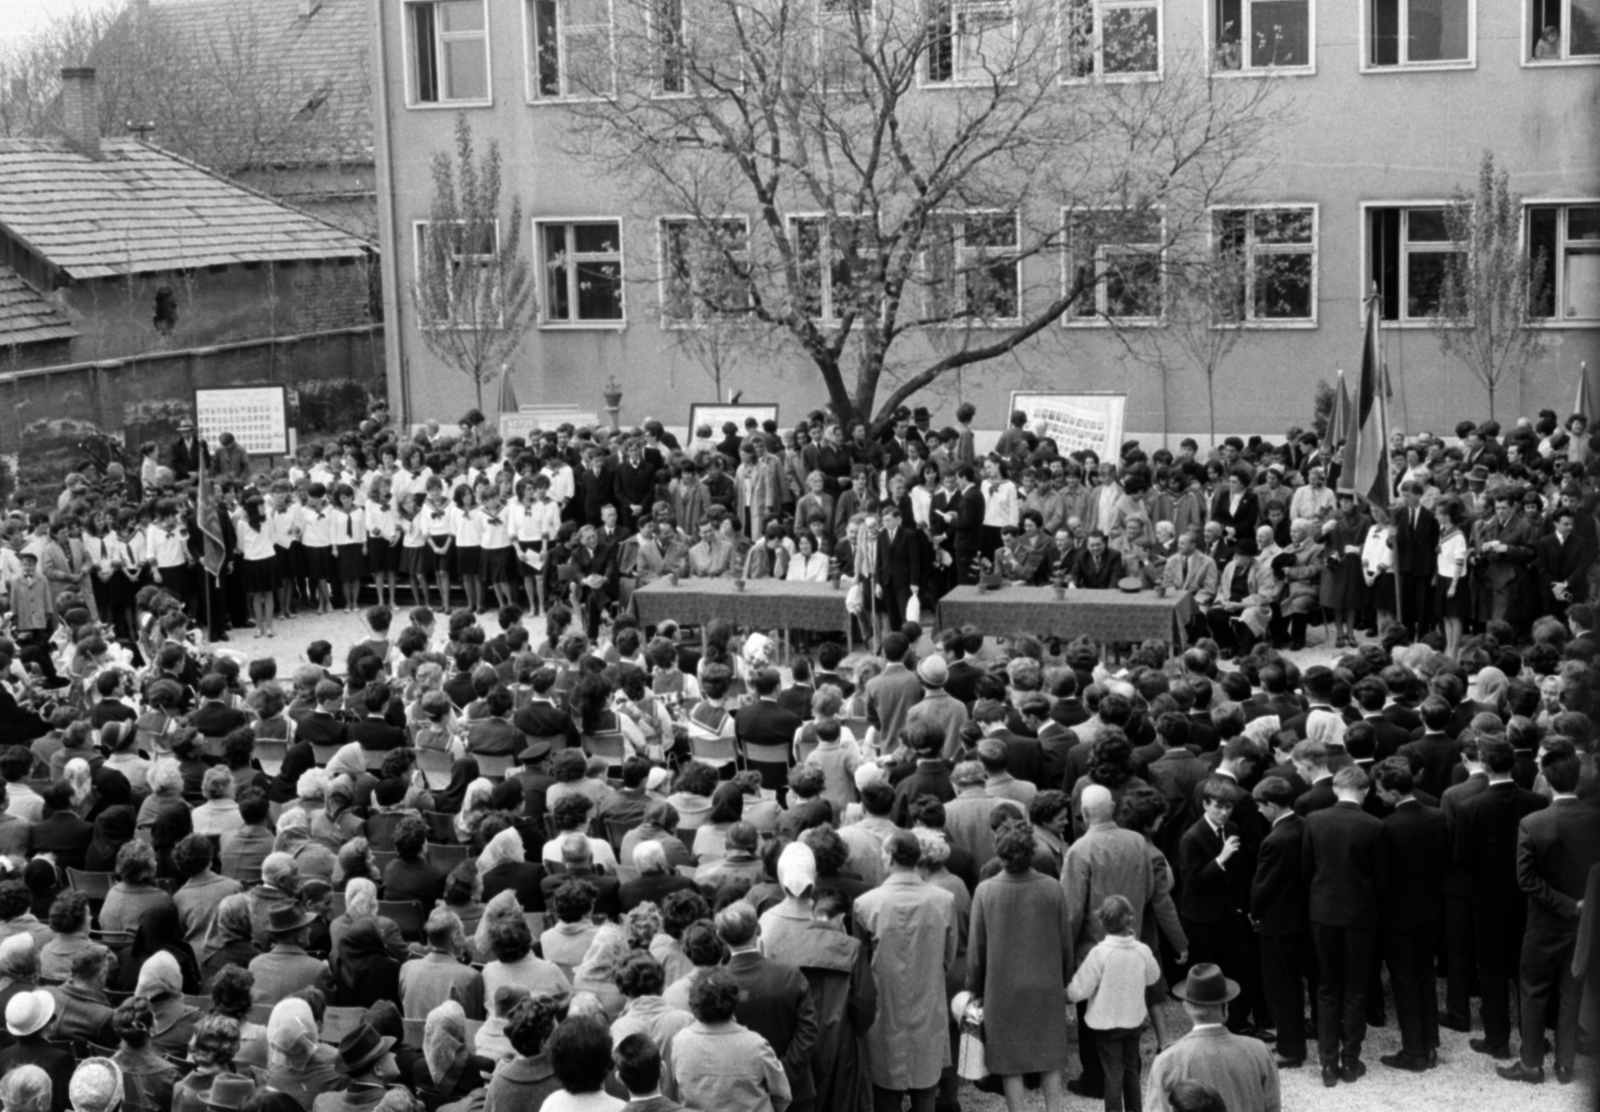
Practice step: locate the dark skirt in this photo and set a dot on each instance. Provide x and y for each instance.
(435, 563)
(1383, 592)
(469, 559)
(284, 558)
(382, 556)
(319, 565)
(1460, 606)
(413, 560)
(352, 564)
(500, 564)
(260, 576)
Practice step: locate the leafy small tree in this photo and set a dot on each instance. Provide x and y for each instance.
(1490, 288)
(474, 290)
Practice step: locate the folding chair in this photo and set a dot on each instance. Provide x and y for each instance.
(97, 886)
(447, 857)
(441, 827)
(611, 746)
(493, 767)
(339, 1022)
(617, 829)
(436, 765)
(269, 755)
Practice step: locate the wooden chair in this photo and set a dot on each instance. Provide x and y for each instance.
(625, 873)
(113, 940)
(617, 829)
(611, 746)
(494, 767)
(324, 753)
(408, 915)
(441, 827)
(373, 759)
(435, 765)
(339, 1022)
(258, 1013)
(270, 754)
(447, 857)
(767, 754)
(690, 871)
(201, 1002)
(97, 886)
(413, 1032)
(381, 859)
(707, 748)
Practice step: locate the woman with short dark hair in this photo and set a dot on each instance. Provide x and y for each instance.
(718, 1063)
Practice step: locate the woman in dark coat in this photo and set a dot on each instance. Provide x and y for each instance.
(113, 829)
(299, 759)
(1019, 957)
(160, 928)
(365, 972)
(839, 974)
(1344, 588)
(462, 773)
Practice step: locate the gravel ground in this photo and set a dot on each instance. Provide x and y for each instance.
(1463, 1081)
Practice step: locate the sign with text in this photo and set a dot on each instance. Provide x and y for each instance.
(527, 421)
(1076, 422)
(257, 416)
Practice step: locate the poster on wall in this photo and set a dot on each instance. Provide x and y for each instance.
(1076, 422)
(715, 415)
(533, 419)
(257, 416)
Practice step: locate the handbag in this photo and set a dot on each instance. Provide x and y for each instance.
(914, 609)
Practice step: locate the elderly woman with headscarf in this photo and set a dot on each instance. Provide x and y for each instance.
(597, 973)
(361, 903)
(475, 804)
(147, 1076)
(161, 983)
(311, 858)
(111, 789)
(1492, 687)
(166, 783)
(351, 761)
(353, 861)
(448, 1066)
(504, 867)
(81, 777)
(211, 1048)
(364, 969)
(135, 891)
(231, 941)
(297, 1063)
(526, 1080)
(160, 931)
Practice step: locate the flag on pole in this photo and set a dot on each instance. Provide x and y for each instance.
(1367, 456)
(207, 516)
(508, 393)
(1582, 405)
(1339, 419)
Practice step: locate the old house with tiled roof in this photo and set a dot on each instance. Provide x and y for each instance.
(114, 247)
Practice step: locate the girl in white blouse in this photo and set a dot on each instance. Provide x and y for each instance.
(1451, 600)
(536, 520)
(807, 565)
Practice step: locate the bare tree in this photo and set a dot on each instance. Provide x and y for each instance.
(884, 182)
(474, 290)
(1490, 288)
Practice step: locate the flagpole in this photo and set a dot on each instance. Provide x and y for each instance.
(1381, 401)
(199, 511)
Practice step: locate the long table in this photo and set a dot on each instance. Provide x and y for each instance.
(1102, 615)
(763, 604)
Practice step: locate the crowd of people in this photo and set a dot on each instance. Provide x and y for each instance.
(635, 867)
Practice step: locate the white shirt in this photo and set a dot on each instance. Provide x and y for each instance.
(254, 545)
(286, 526)
(494, 530)
(560, 484)
(468, 528)
(168, 549)
(438, 522)
(1453, 556)
(808, 569)
(382, 522)
(316, 527)
(349, 528)
(999, 503)
(536, 521)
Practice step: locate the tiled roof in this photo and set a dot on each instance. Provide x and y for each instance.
(312, 68)
(139, 209)
(25, 316)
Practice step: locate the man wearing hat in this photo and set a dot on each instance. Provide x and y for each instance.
(1239, 1068)
(937, 705)
(27, 1016)
(229, 1091)
(367, 1058)
(187, 452)
(287, 968)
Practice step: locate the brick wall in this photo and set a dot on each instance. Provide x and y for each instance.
(329, 296)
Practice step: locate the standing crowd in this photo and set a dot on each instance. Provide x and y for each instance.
(646, 868)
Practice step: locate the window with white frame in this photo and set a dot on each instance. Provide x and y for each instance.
(458, 274)
(830, 254)
(971, 42)
(1262, 34)
(667, 42)
(972, 268)
(449, 50)
(570, 48)
(1564, 248)
(844, 42)
(1563, 30)
(1115, 259)
(1408, 252)
(1266, 264)
(1419, 32)
(1111, 37)
(582, 271)
(705, 266)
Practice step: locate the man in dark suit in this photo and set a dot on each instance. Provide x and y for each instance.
(612, 534)
(594, 570)
(539, 717)
(764, 722)
(1556, 849)
(1176, 774)
(1459, 952)
(962, 684)
(1485, 846)
(61, 832)
(1417, 841)
(1212, 869)
(1346, 867)
(1311, 765)
(635, 484)
(899, 565)
(594, 486)
(577, 863)
(774, 1000)
(966, 528)
(376, 732)
(945, 506)
(1435, 750)
(1562, 560)
(321, 726)
(186, 452)
(1370, 694)
(1098, 568)
(1415, 558)
(1278, 909)
(214, 718)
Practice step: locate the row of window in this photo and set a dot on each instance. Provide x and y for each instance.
(570, 42)
(972, 270)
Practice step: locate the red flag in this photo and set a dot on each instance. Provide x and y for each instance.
(1339, 426)
(1367, 455)
(1583, 405)
(207, 517)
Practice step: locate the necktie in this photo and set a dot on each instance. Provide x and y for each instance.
(349, 526)
(1185, 570)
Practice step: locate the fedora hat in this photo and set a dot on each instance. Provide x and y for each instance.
(287, 917)
(28, 1012)
(362, 1047)
(1206, 985)
(230, 1090)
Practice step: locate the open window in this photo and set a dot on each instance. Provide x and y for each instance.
(1420, 32)
(1110, 38)
(1564, 248)
(1265, 35)
(449, 51)
(972, 268)
(1408, 253)
(1116, 259)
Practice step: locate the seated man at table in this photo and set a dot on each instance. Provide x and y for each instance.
(1191, 572)
(650, 554)
(712, 556)
(594, 577)
(1098, 567)
(1243, 607)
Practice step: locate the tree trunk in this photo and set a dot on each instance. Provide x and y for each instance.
(1211, 405)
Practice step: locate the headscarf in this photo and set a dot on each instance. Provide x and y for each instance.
(96, 1086)
(462, 773)
(1492, 684)
(160, 932)
(361, 899)
(727, 804)
(232, 923)
(159, 976)
(77, 774)
(505, 848)
(112, 830)
(797, 869)
(349, 760)
(291, 1034)
(504, 906)
(444, 1045)
(608, 949)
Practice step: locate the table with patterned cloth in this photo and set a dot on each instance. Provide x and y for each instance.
(763, 604)
(1101, 615)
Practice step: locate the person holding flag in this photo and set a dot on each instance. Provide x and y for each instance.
(211, 542)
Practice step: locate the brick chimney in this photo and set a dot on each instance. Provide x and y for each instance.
(80, 109)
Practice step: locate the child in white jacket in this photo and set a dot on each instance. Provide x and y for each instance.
(1113, 979)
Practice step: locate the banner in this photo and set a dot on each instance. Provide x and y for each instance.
(207, 517)
(1076, 422)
